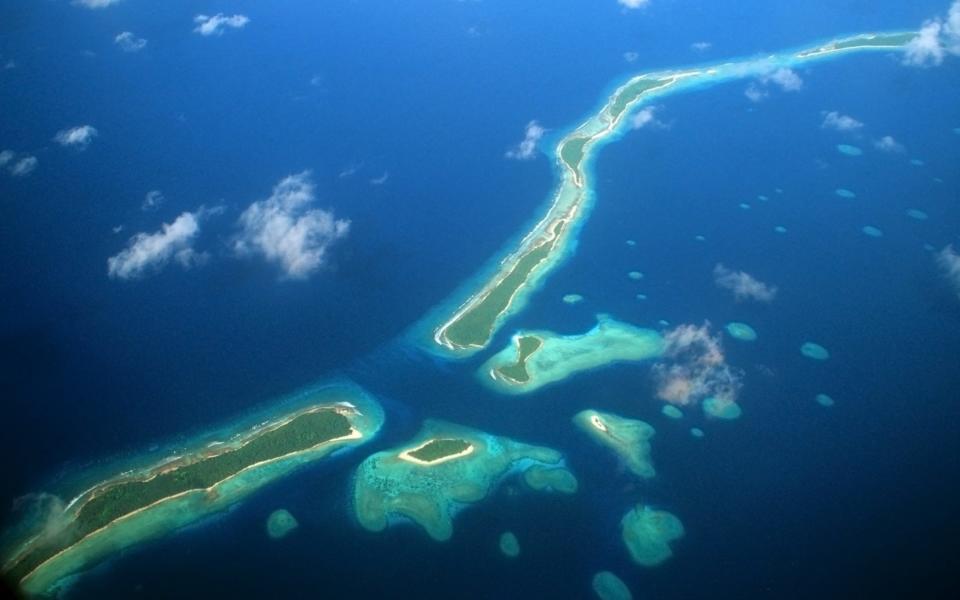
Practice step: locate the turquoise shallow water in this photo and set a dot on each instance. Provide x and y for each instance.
(790, 498)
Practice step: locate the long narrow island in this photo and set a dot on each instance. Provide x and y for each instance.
(144, 503)
(470, 325)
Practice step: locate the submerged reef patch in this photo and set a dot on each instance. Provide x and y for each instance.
(608, 586)
(629, 439)
(537, 358)
(551, 479)
(741, 331)
(509, 544)
(280, 523)
(649, 533)
(814, 351)
(393, 484)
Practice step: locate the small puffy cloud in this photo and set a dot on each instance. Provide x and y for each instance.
(937, 38)
(835, 120)
(701, 46)
(526, 149)
(755, 93)
(888, 144)
(949, 261)
(381, 179)
(150, 252)
(286, 230)
(787, 79)
(129, 42)
(152, 200)
(76, 137)
(6, 156)
(646, 116)
(24, 166)
(743, 285)
(633, 4)
(217, 24)
(93, 4)
(631, 56)
(694, 368)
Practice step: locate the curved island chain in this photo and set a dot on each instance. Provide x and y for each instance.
(627, 438)
(444, 469)
(134, 506)
(503, 291)
(536, 358)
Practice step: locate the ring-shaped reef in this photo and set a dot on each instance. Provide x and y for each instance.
(629, 439)
(140, 504)
(648, 534)
(444, 469)
(537, 358)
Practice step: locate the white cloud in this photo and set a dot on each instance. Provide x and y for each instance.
(217, 24)
(949, 261)
(150, 252)
(888, 144)
(632, 4)
(694, 368)
(839, 122)
(525, 150)
(701, 46)
(937, 38)
(95, 3)
(152, 200)
(631, 56)
(129, 42)
(787, 79)
(76, 137)
(743, 285)
(284, 229)
(755, 93)
(6, 156)
(381, 179)
(24, 166)
(647, 116)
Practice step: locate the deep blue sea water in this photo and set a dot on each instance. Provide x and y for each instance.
(792, 500)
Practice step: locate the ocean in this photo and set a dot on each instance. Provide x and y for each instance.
(403, 112)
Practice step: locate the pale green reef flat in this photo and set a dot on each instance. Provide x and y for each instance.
(845, 193)
(389, 488)
(141, 504)
(721, 408)
(629, 439)
(741, 331)
(849, 150)
(537, 358)
(671, 412)
(871, 231)
(917, 214)
(608, 586)
(649, 533)
(696, 432)
(280, 523)
(824, 400)
(814, 351)
(467, 322)
(509, 544)
(551, 479)
(573, 298)
(635, 275)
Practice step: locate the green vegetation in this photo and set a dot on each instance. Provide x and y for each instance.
(475, 326)
(572, 152)
(883, 40)
(440, 448)
(126, 496)
(632, 92)
(527, 345)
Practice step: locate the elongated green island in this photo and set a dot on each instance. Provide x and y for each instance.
(504, 288)
(537, 358)
(444, 469)
(144, 503)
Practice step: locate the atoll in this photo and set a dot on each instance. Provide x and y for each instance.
(145, 503)
(536, 358)
(648, 533)
(396, 485)
(627, 438)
